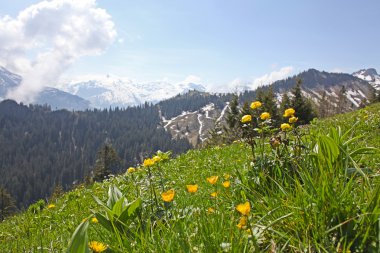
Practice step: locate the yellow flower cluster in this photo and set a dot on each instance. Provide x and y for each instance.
(256, 104)
(192, 188)
(212, 180)
(131, 170)
(289, 113)
(168, 196)
(265, 116)
(244, 209)
(246, 119)
(97, 246)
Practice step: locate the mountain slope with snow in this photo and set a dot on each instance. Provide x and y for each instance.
(56, 98)
(370, 75)
(114, 91)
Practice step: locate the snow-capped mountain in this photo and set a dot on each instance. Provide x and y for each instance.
(370, 75)
(8, 80)
(56, 98)
(114, 91)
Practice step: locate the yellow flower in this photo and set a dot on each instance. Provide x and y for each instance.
(51, 206)
(213, 179)
(265, 116)
(255, 105)
(211, 210)
(293, 120)
(246, 119)
(94, 220)
(97, 246)
(214, 194)
(226, 176)
(226, 184)
(285, 127)
(168, 196)
(148, 162)
(244, 209)
(131, 170)
(242, 223)
(289, 112)
(192, 188)
(156, 158)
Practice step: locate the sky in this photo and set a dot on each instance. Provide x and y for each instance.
(220, 44)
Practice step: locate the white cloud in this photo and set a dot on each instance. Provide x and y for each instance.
(46, 38)
(272, 77)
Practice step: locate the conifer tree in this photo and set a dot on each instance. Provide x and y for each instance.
(285, 103)
(106, 162)
(232, 117)
(7, 204)
(303, 107)
(342, 100)
(270, 105)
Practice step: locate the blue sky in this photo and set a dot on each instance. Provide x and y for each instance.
(217, 42)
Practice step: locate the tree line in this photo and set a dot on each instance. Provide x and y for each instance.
(42, 149)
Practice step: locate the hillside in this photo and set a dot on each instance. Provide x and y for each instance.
(42, 149)
(285, 202)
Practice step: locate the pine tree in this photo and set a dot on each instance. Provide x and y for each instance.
(270, 105)
(285, 103)
(232, 117)
(303, 107)
(342, 100)
(7, 204)
(324, 106)
(107, 161)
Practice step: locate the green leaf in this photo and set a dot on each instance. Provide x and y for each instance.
(130, 210)
(114, 194)
(119, 206)
(79, 239)
(104, 222)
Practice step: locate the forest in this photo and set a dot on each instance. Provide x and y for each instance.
(42, 149)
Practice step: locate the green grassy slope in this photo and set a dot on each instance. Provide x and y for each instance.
(311, 209)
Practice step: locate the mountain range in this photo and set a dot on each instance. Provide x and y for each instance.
(111, 91)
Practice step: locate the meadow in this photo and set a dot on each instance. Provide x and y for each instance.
(295, 189)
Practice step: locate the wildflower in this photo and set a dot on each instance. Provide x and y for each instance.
(242, 223)
(94, 220)
(244, 209)
(212, 180)
(246, 119)
(293, 120)
(255, 105)
(192, 188)
(289, 112)
(211, 210)
(168, 196)
(51, 206)
(97, 246)
(285, 127)
(226, 176)
(226, 184)
(131, 170)
(275, 142)
(156, 158)
(265, 116)
(214, 194)
(226, 247)
(148, 162)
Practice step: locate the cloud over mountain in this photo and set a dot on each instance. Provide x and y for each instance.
(46, 38)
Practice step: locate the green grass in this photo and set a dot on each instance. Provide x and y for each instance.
(320, 200)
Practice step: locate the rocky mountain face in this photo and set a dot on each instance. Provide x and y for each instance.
(55, 98)
(370, 75)
(324, 86)
(337, 92)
